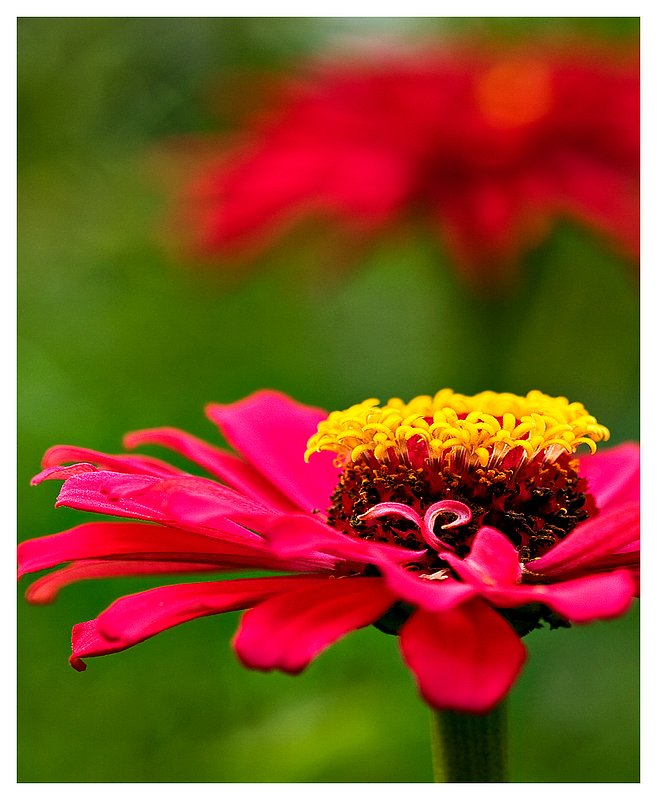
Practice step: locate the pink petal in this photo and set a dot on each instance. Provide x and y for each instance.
(613, 475)
(271, 431)
(136, 541)
(136, 617)
(369, 183)
(292, 535)
(493, 570)
(211, 506)
(225, 466)
(116, 539)
(600, 194)
(627, 557)
(464, 659)
(196, 504)
(108, 493)
(394, 509)
(430, 594)
(591, 542)
(258, 193)
(140, 465)
(46, 589)
(287, 631)
(492, 560)
(62, 473)
(586, 599)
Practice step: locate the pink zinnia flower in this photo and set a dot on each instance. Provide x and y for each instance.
(457, 522)
(491, 148)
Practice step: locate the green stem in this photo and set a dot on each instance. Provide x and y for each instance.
(470, 748)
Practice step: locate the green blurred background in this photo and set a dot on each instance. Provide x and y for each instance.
(115, 335)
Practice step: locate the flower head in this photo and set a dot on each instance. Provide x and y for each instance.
(456, 522)
(490, 148)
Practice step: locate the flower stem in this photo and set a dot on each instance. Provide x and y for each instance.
(470, 748)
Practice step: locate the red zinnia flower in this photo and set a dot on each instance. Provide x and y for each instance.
(492, 149)
(457, 522)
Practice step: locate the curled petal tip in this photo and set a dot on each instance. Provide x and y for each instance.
(462, 513)
(62, 473)
(77, 664)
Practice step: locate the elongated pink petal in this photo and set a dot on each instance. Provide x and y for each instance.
(492, 560)
(294, 535)
(624, 558)
(115, 539)
(62, 473)
(46, 588)
(225, 466)
(585, 599)
(464, 659)
(136, 617)
(593, 597)
(139, 465)
(109, 493)
(590, 543)
(433, 593)
(632, 549)
(287, 631)
(271, 431)
(191, 503)
(395, 510)
(613, 475)
(211, 506)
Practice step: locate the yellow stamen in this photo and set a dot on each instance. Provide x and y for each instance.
(483, 425)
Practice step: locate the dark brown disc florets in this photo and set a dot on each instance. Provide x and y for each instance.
(534, 505)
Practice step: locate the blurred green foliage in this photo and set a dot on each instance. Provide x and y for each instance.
(114, 336)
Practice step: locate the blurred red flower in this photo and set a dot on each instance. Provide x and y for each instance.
(457, 522)
(491, 149)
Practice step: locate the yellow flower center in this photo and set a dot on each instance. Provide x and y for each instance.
(459, 430)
